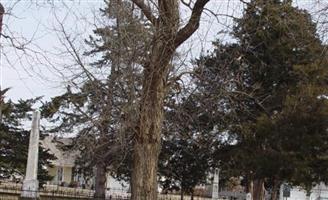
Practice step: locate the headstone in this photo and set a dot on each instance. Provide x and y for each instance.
(248, 196)
(286, 190)
(215, 187)
(31, 183)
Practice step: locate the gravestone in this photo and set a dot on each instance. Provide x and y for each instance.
(31, 183)
(286, 191)
(215, 187)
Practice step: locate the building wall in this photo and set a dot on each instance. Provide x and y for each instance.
(53, 172)
(297, 194)
(67, 174)
(319, 192)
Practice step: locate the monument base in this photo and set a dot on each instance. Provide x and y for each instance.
(30, 190)
(26, 198)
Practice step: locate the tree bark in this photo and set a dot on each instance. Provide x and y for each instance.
(275, 189)
(258, 190)
(181, 194)
(100, 188)
(148, 137)
(144, 178)
(274, 195)
(148, 134)
(166, 39)
(249, 188)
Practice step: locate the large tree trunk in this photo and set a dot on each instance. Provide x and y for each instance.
(148, 136)
(275, 190)
(144, 178)
(192, 195)
(100, 188)
(258, 190)
(166, 39)
(249, 186)
(274, 195)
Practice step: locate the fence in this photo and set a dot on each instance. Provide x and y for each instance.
(10, 191)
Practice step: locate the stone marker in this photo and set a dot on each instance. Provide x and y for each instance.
(248, 196)
(31, 183)
(215, 187)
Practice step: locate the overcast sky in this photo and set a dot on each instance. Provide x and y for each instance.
(33, 24)
(21, 70)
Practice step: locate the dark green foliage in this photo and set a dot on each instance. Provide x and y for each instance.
(274, 36)
(15, 140)
(184, 163)
(187, 150)
(273, 82)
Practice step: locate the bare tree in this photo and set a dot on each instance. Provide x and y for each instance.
(2, 11)
(103, 105)
(167, 37)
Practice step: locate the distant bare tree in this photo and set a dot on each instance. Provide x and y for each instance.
(102, 95)
(2, 11)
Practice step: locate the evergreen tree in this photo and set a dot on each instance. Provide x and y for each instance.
(15, 140)
(102, 110)
(186, 156)
(276, 104)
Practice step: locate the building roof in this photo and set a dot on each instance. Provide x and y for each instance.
(64, 158)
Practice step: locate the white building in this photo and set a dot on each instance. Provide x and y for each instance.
(63, 169)
(319, 192)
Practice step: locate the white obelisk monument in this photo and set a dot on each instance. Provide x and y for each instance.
(215, 186)
(31, 183)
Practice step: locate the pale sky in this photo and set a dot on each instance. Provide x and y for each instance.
(24, 74)
(34, 24)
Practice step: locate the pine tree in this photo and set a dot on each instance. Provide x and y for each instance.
(102, 110)
(15, 140)
(186, 158)
(275, 97)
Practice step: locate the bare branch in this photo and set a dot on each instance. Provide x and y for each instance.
(146, 11)
(186, 4)
(216, 15)
(2, 11)
(193, 23)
